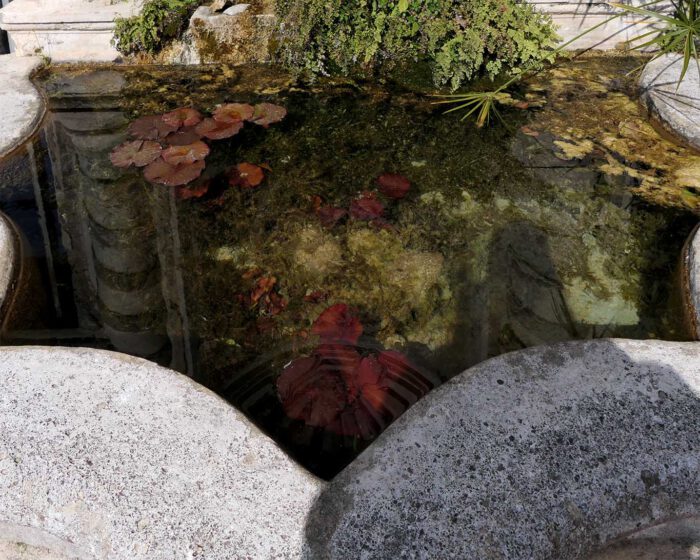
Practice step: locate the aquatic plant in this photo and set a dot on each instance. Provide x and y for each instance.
(393, 185)
(172, 150)
(678, 33)
(459, 39)
(159, 22)
(343, 391)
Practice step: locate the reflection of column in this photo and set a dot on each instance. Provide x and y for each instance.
(118, 229)
(115, 256)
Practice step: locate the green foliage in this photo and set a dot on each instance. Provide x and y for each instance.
(159, 22)
(461, 39)
(679, 33)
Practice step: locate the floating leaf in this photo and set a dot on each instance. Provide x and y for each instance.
(316, 296)
(185, 193)
(139, 153)
(262, 287)
(233, 112)
(367, 207)
(163, 173)
(246, 176)
(267, 113)
(338, 323)
(177, 155)
(185, 116)
(393, 185)
(183, 137)
(150, 128)
(215, 130)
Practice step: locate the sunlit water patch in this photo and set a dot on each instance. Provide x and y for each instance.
(325, 257)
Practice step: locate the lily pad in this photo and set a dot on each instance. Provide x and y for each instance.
(215, 130)
(267, 113)
(186, 193)
(138, 153)
(185, 116)
(151, 128)
(233, 112)
(163, 173)
(246, 176)
(176, 155)
(184, 136)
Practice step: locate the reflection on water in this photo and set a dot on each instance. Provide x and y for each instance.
(500, 244)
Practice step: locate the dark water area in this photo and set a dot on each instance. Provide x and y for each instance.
(508, 237)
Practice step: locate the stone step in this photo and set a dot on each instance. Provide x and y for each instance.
(65, 30)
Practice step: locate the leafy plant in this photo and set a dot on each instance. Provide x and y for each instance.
(460, 39)
(680, 33)
(159, 22)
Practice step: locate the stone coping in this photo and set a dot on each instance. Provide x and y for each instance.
(106, 456)
(51, 12)
(676, 107)
(545, 453)
(22, 106)
(690, 281)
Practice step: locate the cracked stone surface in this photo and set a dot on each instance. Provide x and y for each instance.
(22, 106)
(547, 453)
(677, 107)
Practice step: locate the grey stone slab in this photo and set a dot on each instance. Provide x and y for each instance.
(116, 458)
(22, 106)
(676, 106)
(547, 453)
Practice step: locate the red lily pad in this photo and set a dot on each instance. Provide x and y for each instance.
(185, 116)
(233, 112)
(163, 173)
(186, 193)
(367, 381)
(139, 153)
(393, 185)
(338, 323)
(267, 113)
(311, 393)
(262, 287)
(214, 130)
(330, 215)
(246, 176)
(183, 137)
(150, 128)
(366, 207)
(177, 155)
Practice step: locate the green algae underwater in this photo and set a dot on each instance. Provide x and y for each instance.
(565, 224)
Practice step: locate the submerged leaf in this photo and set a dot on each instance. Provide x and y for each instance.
(139, 153)
(185, 193)
(338, 323)
(163, 173)
(233, 112)
(366, 207)
(393, 185)
(215, 130)
(176, 155)
(246, 176)
(150, 128)
(330, 215)
(185, 116)
(267, 113)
